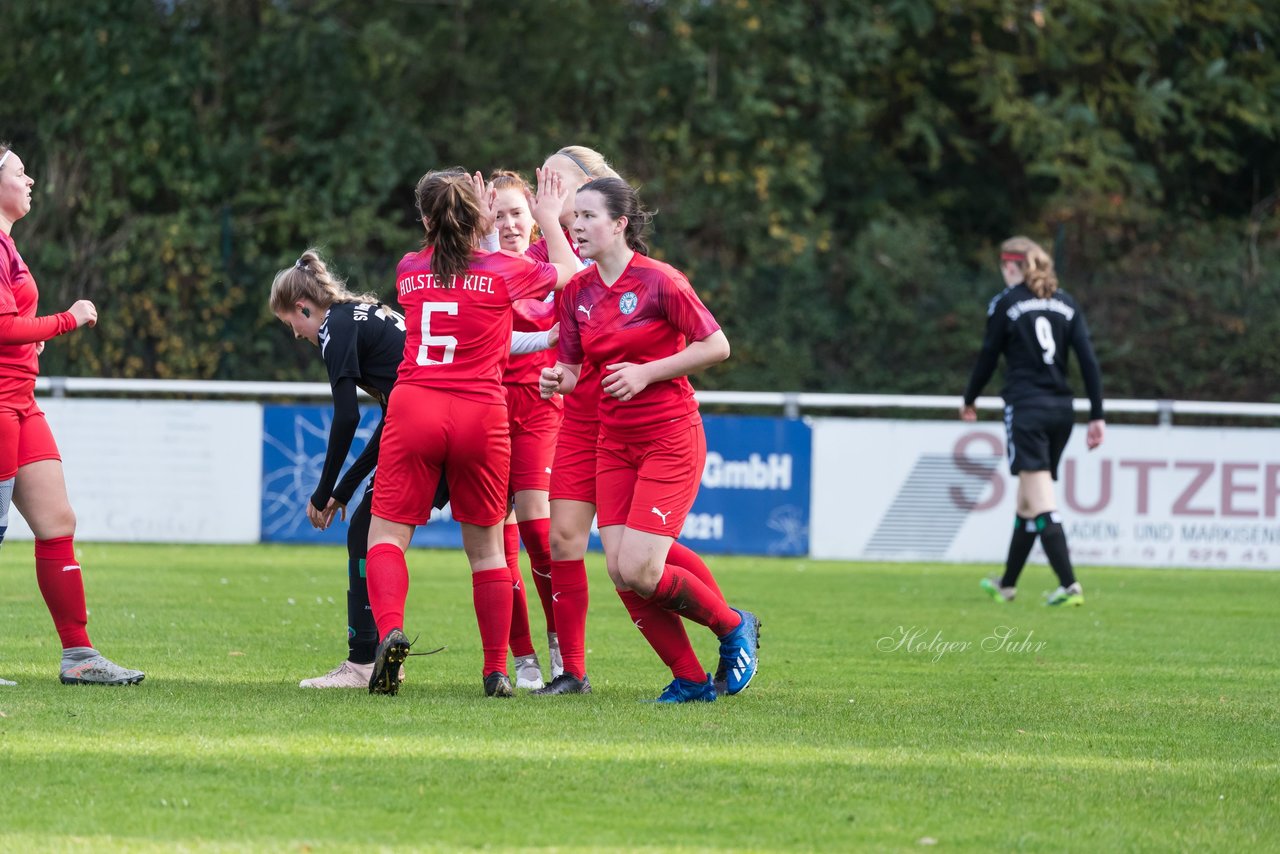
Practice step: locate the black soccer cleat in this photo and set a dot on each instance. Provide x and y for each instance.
(498, 684)
(565, 683)
(391, 653)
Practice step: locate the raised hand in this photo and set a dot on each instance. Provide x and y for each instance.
(548, 200)
(488, 197)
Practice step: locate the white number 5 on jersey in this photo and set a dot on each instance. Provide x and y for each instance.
(1044, 334)
(448, 342)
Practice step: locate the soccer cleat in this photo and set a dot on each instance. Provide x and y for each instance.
(740, 653)
(1073, 595)
(348, 674)
(498, 684)
(996, 592)
(688, 691)
(99, 670)
(387, 661)
(553, 650)
(528, 672)
(565, 683)
(4, 682)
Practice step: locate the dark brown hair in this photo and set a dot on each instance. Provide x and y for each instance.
(447, 202)
(621, 199)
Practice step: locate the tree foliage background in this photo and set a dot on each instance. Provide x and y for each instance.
(833, 175)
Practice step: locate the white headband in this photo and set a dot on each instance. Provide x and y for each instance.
(4, 157)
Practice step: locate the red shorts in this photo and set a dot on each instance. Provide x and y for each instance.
(534, 424)
(573, 471)
(24, 435)
(650, 485)
(426, 430)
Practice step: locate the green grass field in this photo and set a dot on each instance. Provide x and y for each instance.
(1146, 720)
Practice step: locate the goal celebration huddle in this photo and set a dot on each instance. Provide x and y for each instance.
(536, 382)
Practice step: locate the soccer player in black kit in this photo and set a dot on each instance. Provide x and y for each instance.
(361, 343)
(1033, 323)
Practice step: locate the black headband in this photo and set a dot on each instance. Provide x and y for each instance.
(577, 163)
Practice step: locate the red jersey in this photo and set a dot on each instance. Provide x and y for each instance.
(18, 299)
(581, 411)
(458, 337)
(530, 316)
(538, 250)
(648, 314)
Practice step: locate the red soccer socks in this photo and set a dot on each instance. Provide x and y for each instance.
(387, 578)
(62, 585)
(492, 595)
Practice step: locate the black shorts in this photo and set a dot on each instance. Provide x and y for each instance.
(1036, 436)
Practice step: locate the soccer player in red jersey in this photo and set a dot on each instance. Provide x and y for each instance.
(572, 483)
(573, 480)
(534, 423)
(30, 465)
(448, 408)
(642, 326)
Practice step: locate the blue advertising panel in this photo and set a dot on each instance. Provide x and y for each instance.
(754, 497)
(294, 439)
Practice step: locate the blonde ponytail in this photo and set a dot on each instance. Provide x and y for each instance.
(1035, 264)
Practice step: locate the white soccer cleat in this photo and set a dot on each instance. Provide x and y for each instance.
(1073, 595)
(97, 669)
(345, 675)
(557, 660)
(528, 672)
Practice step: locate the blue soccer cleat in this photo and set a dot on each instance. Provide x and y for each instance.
(688, 691)
(740, 653)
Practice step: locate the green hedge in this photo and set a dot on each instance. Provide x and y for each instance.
(834, 176)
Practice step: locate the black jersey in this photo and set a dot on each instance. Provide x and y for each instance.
(1035, 336)
(364, 342)
(362, 345)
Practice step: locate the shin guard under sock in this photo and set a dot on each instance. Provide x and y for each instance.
(1024, 537)
(686, 558)
(387, 577)
(362, 631)
(569, 599)
(62, 586)
(536, 534)
(680, 592)
(520, 641)
(665, 633)
(1054, 542)
(491, 594)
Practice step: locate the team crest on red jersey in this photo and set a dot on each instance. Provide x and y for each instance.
(627, 302)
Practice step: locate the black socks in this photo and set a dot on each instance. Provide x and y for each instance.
(1024, 537)
(1054, 542)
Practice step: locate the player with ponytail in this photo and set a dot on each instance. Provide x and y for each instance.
(1035, 324)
